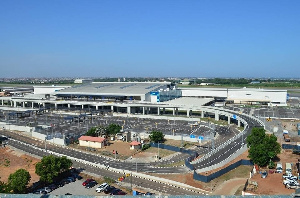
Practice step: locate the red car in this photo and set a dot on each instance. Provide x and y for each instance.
(121, 193)
(87, 181)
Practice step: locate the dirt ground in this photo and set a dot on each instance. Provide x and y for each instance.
(11, 160)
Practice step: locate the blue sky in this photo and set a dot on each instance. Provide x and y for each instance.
(154, 38)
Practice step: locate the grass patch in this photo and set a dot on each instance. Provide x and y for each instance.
(177, 143)
(239, 190)
(239, 172)
(162, 152)
(212, 120)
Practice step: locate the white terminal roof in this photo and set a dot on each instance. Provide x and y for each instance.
(114, 88)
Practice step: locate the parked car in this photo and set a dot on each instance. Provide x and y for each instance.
(91, 184)
(289, 176)
(40, 191)
(264, 174)
(102, 187)
(291, 185)
(287, 181)
(87, 181)
(108, 189)
(76, 176)
(115, 191)
(52, 186)
(279, 168)
(120, 193)
(71, 179)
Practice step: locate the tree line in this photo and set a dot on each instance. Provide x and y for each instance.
(48, 168)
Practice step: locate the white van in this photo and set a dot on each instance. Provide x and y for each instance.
(279, 168)
(288, 168)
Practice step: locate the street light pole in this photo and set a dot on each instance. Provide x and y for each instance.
(136, 166)
(158, 151)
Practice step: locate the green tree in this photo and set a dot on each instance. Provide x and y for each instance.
(92, 132)
(262, 147)
(51, 166)
(113, 129)
(19, 180)
(256, 137)
(4, 188)
(156, 136)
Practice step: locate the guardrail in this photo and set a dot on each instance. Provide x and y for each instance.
(121, 171)
(229, 141)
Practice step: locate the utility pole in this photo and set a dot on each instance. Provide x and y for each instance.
(131, 181)
(136, 166)
(158, 151)
(46, 143)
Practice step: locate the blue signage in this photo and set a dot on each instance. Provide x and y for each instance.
(200, 137)
(234, 116)
(192, 136)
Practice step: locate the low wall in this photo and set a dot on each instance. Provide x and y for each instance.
(208, 178)
(13, 127)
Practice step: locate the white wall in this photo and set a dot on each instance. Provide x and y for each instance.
(90, 144)
(243, 94)
(258, 94)
(202, 92)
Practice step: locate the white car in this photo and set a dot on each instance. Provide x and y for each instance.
(287, 181)
(291, 185)
(101, 187)
(289, 176)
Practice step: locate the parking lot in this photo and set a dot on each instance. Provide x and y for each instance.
(75, 188)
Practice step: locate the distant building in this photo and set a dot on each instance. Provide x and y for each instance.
(93, 142)
(135, 145)
(81, 81)
(255, 82)
(206, 84)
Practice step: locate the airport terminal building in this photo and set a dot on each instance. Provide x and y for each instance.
(143, 94)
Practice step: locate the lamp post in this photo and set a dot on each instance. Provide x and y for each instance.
(158, 151)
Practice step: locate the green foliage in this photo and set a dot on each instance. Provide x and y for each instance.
(113, 129)
(7, 163)
(52, 166)
(92, 132)
(256, 137)
(109, 180)
(4, 188)
(263, 147)
(156, 136)
(19, 180)
(145, 147)
(271, 165)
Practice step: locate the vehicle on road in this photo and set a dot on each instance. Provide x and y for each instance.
(91, 184)
(102, 187)
(87, 181)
